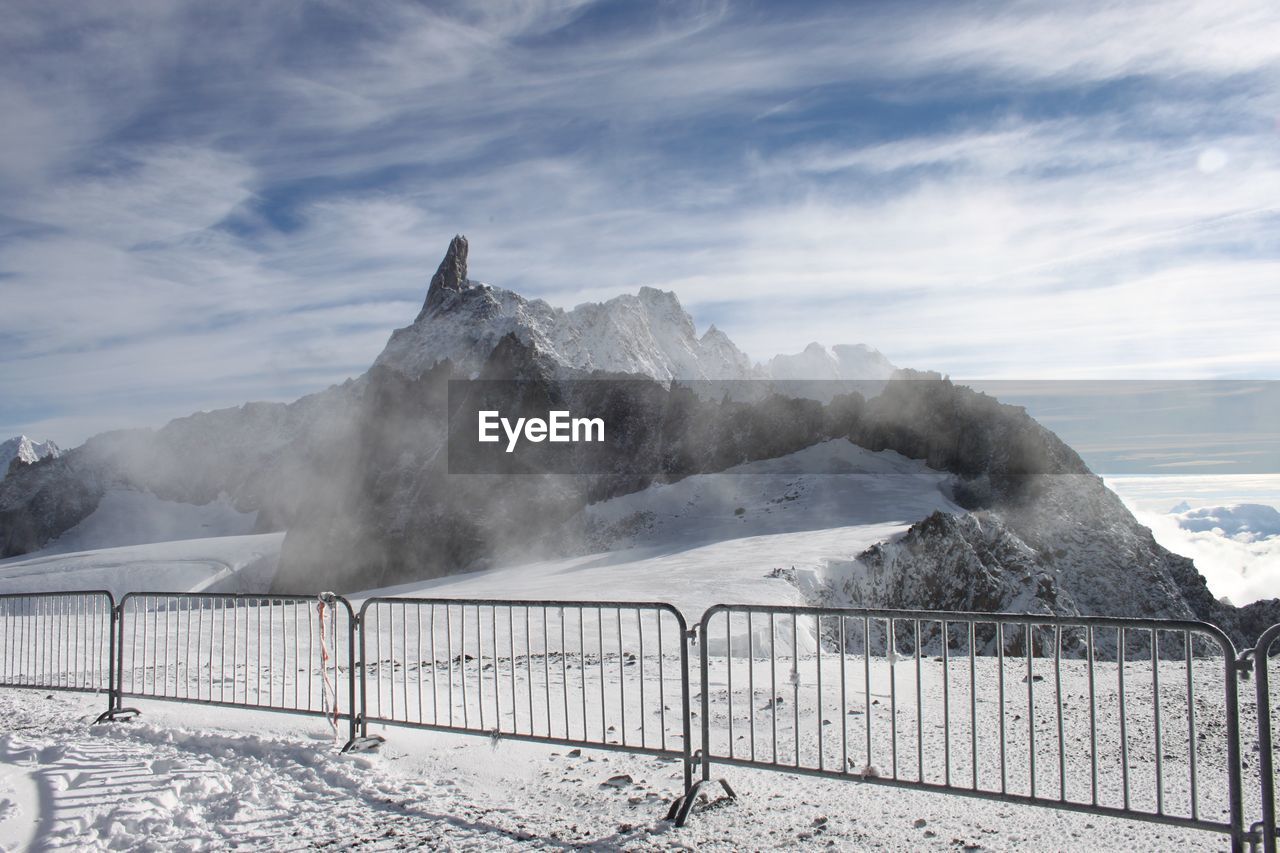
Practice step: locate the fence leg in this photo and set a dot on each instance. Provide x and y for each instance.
(115, 713)
(362, 742)
(680, 809)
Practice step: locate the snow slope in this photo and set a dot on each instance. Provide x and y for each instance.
(130, 517)
(223, 564)
(686, 543)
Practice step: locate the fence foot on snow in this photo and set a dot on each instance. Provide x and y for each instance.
(680, 809)
(366, 743)
(117, 715)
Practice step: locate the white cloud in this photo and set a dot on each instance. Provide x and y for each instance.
(1124, 238)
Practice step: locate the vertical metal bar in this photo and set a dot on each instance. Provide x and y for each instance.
(728, 637)
(946, 703)
(919, 710)
(1057, 693)
(640, 664)
(1124, 734)
(604, 717)
(1004, 762)
(687, 707)
(582, 664)
(751, 683)
(296, 669)
(844, 698)
(76, 676)
(435, 670)
(186, 617)
(404, 664)
(773, 683)
(114, 677)
(528, 668)
(817, 634)
(448, 643)
(1235, 793)
(866, 683)
(891, 660)
(662, 683)
(622, 679)
(1155, 691)
(258, 667)
(462, 665)
(795, 680)
(564, 672)
(390, 610)
(973, 701)
(1192, 746)
(417, 657)
(1031, 705)
(222, 652)
(356, 719)
(1266, 744)
(546, 673)
(1093, 722)
(271, 650)
(497, 693)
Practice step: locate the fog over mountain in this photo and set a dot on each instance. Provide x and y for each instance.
(360, 476)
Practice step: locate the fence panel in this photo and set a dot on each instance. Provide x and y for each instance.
(282, 653)
(606, 675)
(1267, 684)
(56, 640)
(1130, 718)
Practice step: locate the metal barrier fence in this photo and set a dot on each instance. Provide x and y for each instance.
(295, 654)
(1128, 718)
(57, 641)
(1268, 721)
(605, 675)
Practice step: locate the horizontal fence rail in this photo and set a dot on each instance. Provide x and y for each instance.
(272, 652)
(1130, 718)
(605, 675)
(57, 641)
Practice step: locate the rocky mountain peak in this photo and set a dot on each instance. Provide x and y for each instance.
(23, 449)
(450, 276)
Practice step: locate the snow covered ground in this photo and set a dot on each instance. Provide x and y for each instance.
(188, 777)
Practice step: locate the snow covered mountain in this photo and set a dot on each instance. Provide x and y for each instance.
(25, 450)
(648, 333)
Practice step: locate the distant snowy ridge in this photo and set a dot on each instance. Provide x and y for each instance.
(841, 362)
(25, 450)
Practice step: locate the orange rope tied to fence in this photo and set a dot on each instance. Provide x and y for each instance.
(327, 688)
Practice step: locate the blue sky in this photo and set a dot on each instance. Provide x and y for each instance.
(209, 205)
